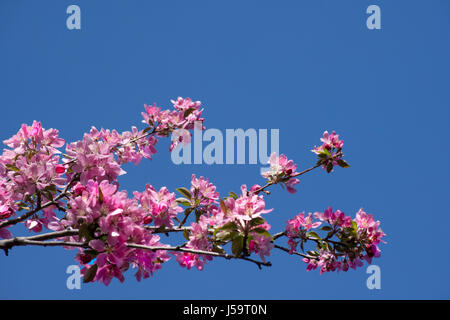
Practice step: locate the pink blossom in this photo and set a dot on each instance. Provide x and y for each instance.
(300, 221)
(261, 245)
(203, 192)
(281, 170)
(160, 204)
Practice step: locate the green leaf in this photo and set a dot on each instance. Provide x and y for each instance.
(186, 234)
(326, 228)
(229, 226)
(329, 167)
(217, 249)
(313, 235)
(325, 151)
(198, 214)
(237, 245)
(146, 129)
(185, 192)
(91, 252)
(184, 201)
(262, 232)
(313, 253)
(226, 235)
(90, 274)
(51, 188)
(343, 163)
(12, 167)
(47, 194)
(233, 195)
(188, 112)
(354, 226)
(257, 221)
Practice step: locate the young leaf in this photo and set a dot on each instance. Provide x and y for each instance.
(343, 163)
(262, 232)
(237, 245)
(329, 167)
(90, 274)
(313, 235)
(12, 167)
(257, 221)
(185, 192)
(186, 234)
(184, 201)
(233, 195)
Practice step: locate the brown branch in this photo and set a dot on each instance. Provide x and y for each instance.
(294, 252)
(292, 176)
(36, 241)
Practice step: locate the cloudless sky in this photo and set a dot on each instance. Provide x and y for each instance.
(302, 67)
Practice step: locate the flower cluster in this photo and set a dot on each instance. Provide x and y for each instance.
(114, 232)
(183, 118)
(30, 173)
(356, 240)
(330, 152)
(161, 206)
(282, 171)
(108, 220)
(203, 192)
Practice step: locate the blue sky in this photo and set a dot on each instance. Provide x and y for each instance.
(302, 67)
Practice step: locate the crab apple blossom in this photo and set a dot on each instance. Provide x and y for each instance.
(76, 195)
(282, 171)
(330, 152)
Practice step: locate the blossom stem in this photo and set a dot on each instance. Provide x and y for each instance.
(295, 175)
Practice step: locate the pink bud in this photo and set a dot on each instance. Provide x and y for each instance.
(148, 219)
(60, 169)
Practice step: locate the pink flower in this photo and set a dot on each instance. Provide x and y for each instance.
(249, 206)
(337, 218)
(330, 152)
(261, 245)
(300, 221)
(160, 204)
(60, 169)
(203, 192)
(281, 170)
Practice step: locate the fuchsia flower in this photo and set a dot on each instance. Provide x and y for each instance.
(249, 206)
(363, 229)
(281, 169)
(300, 221)
(334, 218)
(203, 192)
(330, 152)
(331, 141)
(261, 245)
(161, 205)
